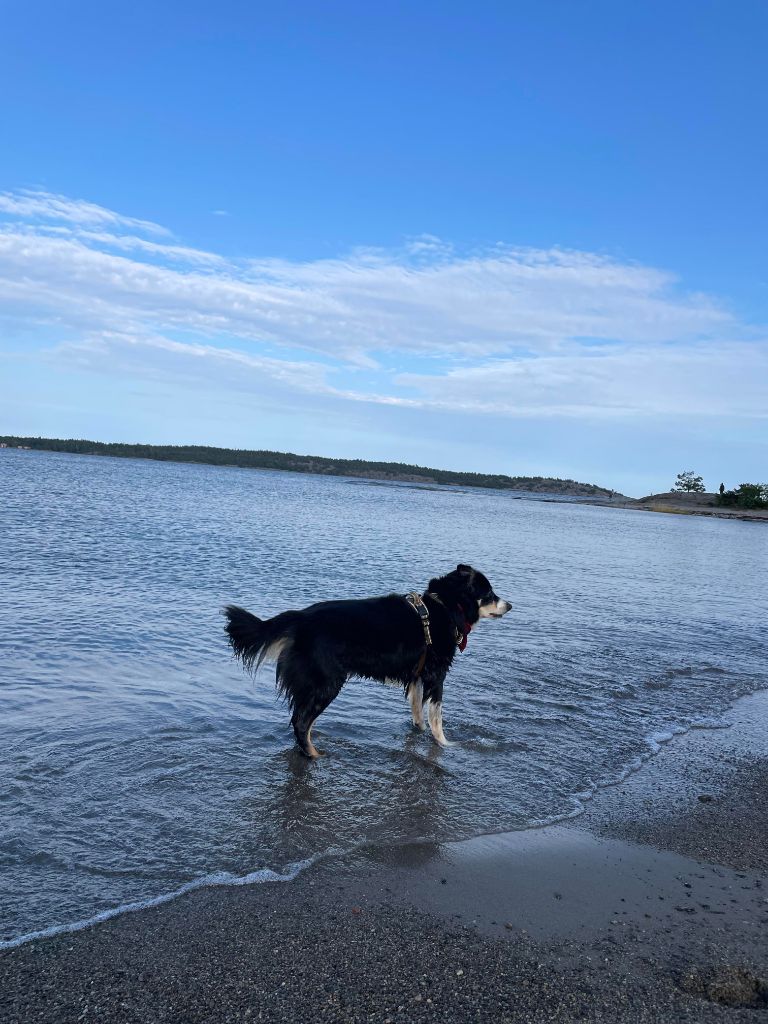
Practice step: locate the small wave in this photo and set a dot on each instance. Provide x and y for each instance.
(625, 690)
(707, 722)
(208, 881)
(654, 741)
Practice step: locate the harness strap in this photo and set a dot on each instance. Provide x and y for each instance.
(415, 601)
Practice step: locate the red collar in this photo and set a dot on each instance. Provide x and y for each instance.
(462, 634)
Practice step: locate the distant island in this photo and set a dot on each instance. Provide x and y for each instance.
(287, 461)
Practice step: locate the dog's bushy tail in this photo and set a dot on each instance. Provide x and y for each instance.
(256, 640)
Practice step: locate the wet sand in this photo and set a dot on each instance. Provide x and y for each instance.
(652, 906)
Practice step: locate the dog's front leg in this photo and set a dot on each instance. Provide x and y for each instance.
(434, 694)
(416, 698)
(436, 723)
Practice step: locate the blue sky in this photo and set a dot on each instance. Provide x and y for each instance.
(522, 237)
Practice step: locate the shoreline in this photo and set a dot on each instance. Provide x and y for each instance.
(312, 465)
(426, 483)
(582, 800)
(653, 904)
(755, 515)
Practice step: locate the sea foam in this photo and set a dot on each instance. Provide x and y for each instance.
(207, 881)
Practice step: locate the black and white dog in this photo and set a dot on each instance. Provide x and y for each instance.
(410, 640)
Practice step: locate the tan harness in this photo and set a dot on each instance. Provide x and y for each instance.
(416, 602)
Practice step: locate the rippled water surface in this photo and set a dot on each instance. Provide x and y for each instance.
(136, 757)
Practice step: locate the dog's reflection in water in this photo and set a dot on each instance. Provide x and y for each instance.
(356, 801)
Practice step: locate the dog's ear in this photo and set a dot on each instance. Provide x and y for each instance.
(465, 570)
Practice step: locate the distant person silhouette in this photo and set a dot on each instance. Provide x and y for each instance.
(722, 488)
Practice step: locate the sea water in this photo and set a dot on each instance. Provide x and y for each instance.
(137, 759)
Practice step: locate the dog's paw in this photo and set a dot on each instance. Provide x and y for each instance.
(311, 754)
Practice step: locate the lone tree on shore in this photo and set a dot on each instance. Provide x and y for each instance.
(689, 481)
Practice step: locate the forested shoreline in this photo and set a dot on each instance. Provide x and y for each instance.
(290, 462)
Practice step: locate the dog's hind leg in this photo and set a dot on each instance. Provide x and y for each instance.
(416, 699)
(302, 721)
(303, 734)
(309, 698)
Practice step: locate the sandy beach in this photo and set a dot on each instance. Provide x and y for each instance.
(652, 905)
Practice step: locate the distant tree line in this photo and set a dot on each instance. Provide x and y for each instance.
(260, 459)
(743, 496)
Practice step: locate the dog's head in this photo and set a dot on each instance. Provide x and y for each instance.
(473, 592)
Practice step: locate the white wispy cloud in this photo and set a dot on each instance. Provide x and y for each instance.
(148, 355)
(172, 253)
(516, 332)
(35, 203)
(707, 380)
(508, 299)
(207, 366)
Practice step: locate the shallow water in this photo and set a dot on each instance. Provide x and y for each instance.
(136, 757)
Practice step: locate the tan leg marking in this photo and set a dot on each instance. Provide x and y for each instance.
(436, 724)
(416, 698)
(313, 751)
